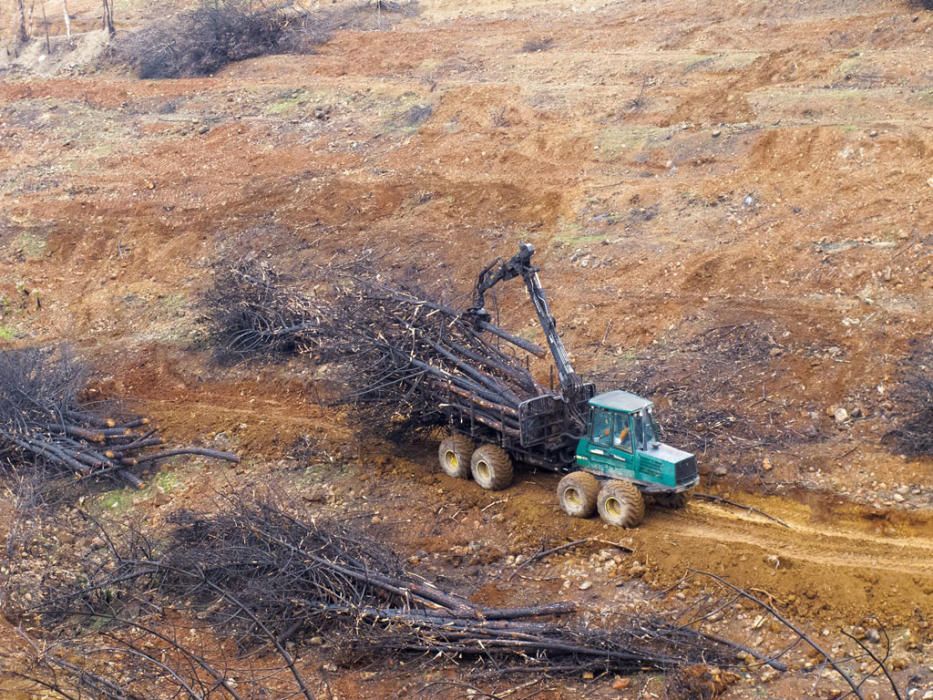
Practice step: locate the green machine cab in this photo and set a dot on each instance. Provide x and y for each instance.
(621, 442)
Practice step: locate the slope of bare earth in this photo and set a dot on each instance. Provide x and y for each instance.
(732, 203)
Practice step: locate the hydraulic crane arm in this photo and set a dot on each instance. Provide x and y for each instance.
(520, 265)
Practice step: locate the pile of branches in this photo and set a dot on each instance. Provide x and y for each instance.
(405, 354)
(257, 573)
(204, 40)
(44, 424)
(218, 32)
(252, 309)
(914, 401)
(425, 359)
(148, 619)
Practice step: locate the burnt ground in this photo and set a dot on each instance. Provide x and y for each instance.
(732, 206)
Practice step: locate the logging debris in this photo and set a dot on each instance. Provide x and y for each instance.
(257, 574)
(252, 309)
(403, 354)
(45, 424)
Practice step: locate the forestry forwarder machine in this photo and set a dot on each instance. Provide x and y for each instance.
(606, 443)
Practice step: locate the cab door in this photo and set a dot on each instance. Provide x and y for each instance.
(611, 442)
(622, 452)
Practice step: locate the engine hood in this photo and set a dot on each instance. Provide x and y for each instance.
(667, 453)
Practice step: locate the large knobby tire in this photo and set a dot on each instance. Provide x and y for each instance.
(454, 455)
(491, 467)
(620, 503)
(577, 494)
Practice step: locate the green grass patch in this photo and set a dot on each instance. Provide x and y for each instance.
(31, 245)
(166, 481)
(7, 334)
(287, 102)
(122, 500)
(572, 232)
(568, 230)
(116, 501)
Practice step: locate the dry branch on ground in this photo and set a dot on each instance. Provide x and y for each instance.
(255, 573)
(251, 309)
(410, 358)
(46, 425)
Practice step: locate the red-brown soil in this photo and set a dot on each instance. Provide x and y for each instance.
(681, 167)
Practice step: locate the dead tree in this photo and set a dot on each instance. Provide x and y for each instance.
(108, 17)
(67, 17)
(22, 34)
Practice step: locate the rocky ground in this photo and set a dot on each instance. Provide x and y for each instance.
(732, 203)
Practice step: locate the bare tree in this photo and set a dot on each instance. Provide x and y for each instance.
(108, 17)
(67, 16)
(23, 35)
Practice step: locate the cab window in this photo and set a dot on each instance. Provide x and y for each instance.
(602, 428)
(621, 437)
(639, 430)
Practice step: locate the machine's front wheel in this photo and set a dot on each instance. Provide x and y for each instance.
(620, 503)
(577, 494)
(454, 456)
(491, 467)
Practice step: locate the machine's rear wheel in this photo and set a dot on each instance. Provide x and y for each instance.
(454, 455)
(620, 503)
(672, 500)
(577, 494)
(491, 467)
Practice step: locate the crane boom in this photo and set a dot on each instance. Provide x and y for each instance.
(519, 265)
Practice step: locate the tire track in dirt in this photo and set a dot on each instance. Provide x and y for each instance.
(839, 562)
(828, 547)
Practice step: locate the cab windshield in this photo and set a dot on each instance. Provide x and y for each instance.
(651, 428)
(645, 429)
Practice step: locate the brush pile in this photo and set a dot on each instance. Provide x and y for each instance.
(402, 352)
(252, 309)
(428, 360)
(203, 40)
(269, 580)
(45, 424)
